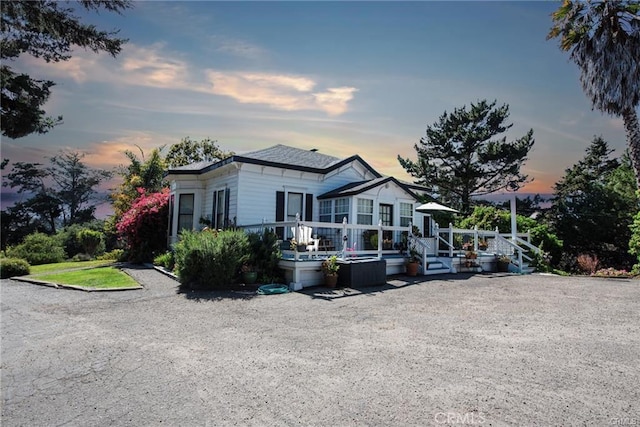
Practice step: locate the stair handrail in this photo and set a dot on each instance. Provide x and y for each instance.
(423, 244)
(519, 250)
(521, 241)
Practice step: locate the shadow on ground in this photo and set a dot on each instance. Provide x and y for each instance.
(393, 283)
(238, 292)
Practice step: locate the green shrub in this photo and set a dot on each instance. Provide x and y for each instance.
(92, 241)
(115, 255)
(10, 267)
(167, 260)
(265, 255)
(38, 248)
(210, 259)
(81, 257)
(72, 242)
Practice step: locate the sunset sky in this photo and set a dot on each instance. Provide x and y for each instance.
(346, 78)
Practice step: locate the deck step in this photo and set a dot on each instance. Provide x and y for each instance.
(430, 271)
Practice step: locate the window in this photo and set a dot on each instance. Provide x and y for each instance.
(220, 208)
(325, 210)
(386, 214)
(365, 211)
(294, 206)
(172, 203)
(185, 212)
(341, 210)
(406, 214)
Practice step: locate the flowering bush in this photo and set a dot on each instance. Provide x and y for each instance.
(611, 272)
(143, 226)
(588, 263)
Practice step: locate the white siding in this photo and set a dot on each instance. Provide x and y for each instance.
(258, 186)
(253, 188)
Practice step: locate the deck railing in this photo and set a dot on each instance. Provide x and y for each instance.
(454, 241)
(342, 239)
(350, 240)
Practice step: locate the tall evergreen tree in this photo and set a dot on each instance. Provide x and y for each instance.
(462, 155)
(593, 206)
(603, 38)
(48, 30)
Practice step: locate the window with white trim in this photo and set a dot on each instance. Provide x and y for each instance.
(294, 206)
(185, 212)
(365, 211)
(325, 210)
(341, 210)
(406, 214)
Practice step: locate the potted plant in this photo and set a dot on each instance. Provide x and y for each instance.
(503, 263)
(249, 274)
(413, 262)
(471, 255)
(330, 269)
(482, 244)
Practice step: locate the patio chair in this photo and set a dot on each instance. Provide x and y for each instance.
(305, 238)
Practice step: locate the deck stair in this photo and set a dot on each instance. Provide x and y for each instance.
(434, 266)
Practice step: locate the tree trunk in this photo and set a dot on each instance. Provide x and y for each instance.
(632, 128)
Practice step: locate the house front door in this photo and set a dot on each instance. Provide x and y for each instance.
(385, 213)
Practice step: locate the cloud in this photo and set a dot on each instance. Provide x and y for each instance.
(279, 91)
(145, 66)
(334, 101)
(151, 66)
(239, 48)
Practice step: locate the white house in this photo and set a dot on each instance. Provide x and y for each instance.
(282, 186)
(276, 183)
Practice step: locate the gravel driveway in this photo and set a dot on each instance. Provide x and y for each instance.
(475, 350)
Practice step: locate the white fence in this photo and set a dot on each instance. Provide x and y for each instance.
(349, 240)
(342, 239)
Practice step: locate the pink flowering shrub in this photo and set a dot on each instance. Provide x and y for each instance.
(143, 227)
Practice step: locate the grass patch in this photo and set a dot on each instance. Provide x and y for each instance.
(95, 278)
(59, 266)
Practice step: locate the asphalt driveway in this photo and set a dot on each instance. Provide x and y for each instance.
(480, 350)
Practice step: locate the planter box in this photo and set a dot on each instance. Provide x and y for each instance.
(362, 272)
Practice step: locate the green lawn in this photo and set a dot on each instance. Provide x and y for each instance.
(71, 265)
(87, 274)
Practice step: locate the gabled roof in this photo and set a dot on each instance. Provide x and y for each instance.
(281, 156)
(354, 188)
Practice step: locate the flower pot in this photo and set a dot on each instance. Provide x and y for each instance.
(249, 277)
(412, 269)
(330, 280)
(503, 267)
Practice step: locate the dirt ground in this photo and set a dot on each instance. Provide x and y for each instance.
(488, 350)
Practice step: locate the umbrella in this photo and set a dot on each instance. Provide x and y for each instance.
(433, 206)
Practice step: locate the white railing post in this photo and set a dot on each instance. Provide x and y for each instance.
(475, 238)
(436, 233)
(409, 237)
(344, 238)
(296, 236)
(520, 260)
(379, 239)
(450, 240)
(424, 259)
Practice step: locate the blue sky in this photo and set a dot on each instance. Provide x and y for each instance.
(347, 78)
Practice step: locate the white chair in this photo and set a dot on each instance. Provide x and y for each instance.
(305, 238)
